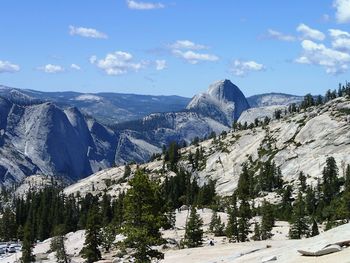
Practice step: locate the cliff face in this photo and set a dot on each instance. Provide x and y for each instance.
(45, 139)
(298, 142)
(223, 102)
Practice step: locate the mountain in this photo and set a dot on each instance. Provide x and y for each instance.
(223, 102)
(43, 138)
(273, 99)
(39, 137)
(298, 142)
(107, 108)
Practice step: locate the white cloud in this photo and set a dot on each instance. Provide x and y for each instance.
(75, 66)
(241, 68)
(8, 67)
(161, 64)
(343, 10)
(51, 69)
(340, 39)
(186, 44)
(335, 33)
(117, 63)
(143, 5)
(332, 60)
(187, 50)
(310, 33)
(273, 34)
(194, 57)
(86, 32)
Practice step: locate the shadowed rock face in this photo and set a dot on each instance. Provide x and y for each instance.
(45, 139)
(39, 137)
(223, 102)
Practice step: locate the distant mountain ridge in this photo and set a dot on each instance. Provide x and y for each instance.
(106, 107)
(273, 99)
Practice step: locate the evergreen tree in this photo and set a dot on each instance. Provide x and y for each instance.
(143, 218)
(286, 205)
(27, 251)
(314, 228)
(8, 225)
(257, 233)
(244, 183)
(268, 220)
(216, 226)
(310, 201)
(347, 178)
(91, 250)
(108, 234)
(302, 182)
(331, 184)
(298, 224)
(232, 223)
(193, 230)
(57, 245)
(243, 221)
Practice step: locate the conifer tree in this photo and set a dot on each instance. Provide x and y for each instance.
(314, 228)
(143, 212)
(298, 226)
(286, 205)
(268, 220)
(243, 221)
(57, 245)
(27, 251)
(347, 178)
(216, 226)
(257, 233)
(91, 250)
(193, 230)
(232, 223)
(302, 182)
(108, 234)
(331, 184)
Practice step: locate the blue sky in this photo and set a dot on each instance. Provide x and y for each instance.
(174, 47)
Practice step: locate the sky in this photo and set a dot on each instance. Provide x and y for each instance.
(174, 47)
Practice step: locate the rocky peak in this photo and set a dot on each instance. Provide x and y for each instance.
(223, 101)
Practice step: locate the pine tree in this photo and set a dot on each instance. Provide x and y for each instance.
(268, 220)
(298, 226)
(243, 221)
(244, 183)
(314, 228)
(331, 184)
(232, 223)
(27, 252)
(216, 226)
(310, 201)
(57, 246)
(257, 233)
(286, 205)
(347, 178)
(302, 182)
(143, 212)
(108, 234)
(91, 250)
(193, 230)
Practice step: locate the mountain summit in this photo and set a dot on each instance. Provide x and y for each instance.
(223, 102)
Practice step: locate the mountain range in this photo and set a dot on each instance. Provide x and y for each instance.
(72, 135)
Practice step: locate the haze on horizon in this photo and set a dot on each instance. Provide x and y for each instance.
(174, 47)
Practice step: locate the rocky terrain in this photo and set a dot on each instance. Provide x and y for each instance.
(42, 138)
(298, 142)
